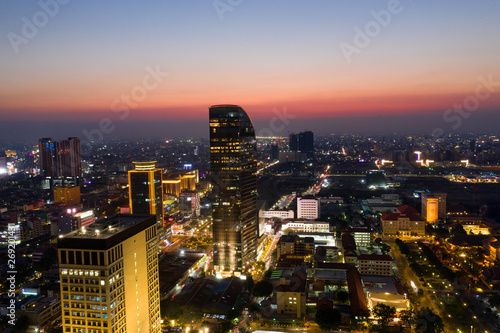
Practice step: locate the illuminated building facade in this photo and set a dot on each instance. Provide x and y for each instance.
(83, 219)
(431, 209)
(145, 190)
(375, 264)
(308, 208)
(109, 276)
(67, 195)
(233, 163)
(405, 222)
(175, 183)
(433, 206)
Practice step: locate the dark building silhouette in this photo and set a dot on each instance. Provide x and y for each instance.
(302, 142)
(306, 143)
(60, 161)
(233, 163)
(376, 179)
(293, 143)
(275, 152)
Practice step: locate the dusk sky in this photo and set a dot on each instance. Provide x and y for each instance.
(263, 55)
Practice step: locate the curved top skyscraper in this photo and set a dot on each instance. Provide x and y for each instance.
(233, 163)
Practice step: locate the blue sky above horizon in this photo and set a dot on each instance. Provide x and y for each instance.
(263, 55)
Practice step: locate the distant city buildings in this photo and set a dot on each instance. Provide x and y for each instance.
(233, 167)
(146, 190)
(60, 161)
(291, 156)
(175, 183)
(302, 142)
(109, 276)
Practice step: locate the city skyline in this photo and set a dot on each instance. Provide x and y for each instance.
(418, 61)
(231, 165)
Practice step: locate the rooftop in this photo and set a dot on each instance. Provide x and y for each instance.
(406, 210)
(379, 257)
(107, 232)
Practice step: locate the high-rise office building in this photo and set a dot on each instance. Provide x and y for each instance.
(47, 151)
(146, 190)
(233, 163)
(69, 158)
(306, 143)
(60, 161)
(293, 142)
(109, 276)
(302, 142)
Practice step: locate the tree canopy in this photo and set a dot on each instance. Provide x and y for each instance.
(263, 289)
(429, 322)
(328, 319)
(384, 313)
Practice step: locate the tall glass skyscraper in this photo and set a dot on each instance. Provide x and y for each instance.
(233, 163)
